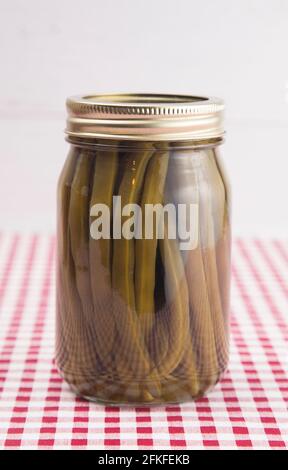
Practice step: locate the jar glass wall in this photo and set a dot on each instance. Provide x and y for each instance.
(143, 270)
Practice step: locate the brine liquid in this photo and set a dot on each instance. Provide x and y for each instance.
(140, 320)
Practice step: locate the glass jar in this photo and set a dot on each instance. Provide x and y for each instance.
(143, 264)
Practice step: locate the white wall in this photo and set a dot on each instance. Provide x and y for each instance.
(236, 50)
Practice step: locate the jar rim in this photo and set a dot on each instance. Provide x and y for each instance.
(145, 116)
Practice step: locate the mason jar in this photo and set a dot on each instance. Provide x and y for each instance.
(143, 263)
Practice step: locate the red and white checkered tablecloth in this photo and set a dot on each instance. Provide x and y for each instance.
(248, 410)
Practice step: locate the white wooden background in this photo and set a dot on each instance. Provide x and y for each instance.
(237, 50)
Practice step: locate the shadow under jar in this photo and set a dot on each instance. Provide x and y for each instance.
(143, 263)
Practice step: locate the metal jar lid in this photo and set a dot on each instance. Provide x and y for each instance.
(145, 117)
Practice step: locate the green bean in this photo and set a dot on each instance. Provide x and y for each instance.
(159, 336)
(145, 251)
(184, 189)
(100, 257)
(78, 366)
(223, 243)
(132, 345)
(81, 296)
(177, 300)
(207, 230)
(63, 197)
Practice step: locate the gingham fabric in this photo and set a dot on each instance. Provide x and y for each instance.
(247, 410)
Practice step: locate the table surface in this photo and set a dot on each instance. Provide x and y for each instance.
(247, 410)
